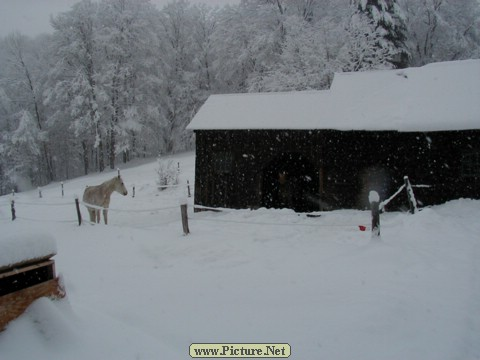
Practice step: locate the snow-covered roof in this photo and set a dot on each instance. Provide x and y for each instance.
(435, 97)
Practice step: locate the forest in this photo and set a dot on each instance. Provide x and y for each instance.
(117, 80)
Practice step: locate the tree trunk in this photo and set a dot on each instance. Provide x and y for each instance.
(85, 157)
(101, 157)
(111, 154)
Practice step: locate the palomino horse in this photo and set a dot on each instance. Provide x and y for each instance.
(99, 196)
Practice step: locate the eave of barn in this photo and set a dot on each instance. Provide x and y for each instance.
(328, 169)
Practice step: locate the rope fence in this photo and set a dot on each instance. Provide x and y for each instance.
(376, 206)
(13, 202)
(360, 227)
(41, 221)
(41, 203)
(184, 215)
(127, 211)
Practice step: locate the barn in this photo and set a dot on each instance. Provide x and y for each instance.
(321, 150)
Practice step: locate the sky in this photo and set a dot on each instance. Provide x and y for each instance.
(32, 17)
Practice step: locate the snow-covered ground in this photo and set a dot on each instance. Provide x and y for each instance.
(139, 289)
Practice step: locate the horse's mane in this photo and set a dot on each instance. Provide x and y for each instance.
(112, 180)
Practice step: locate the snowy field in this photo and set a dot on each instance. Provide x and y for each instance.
(139, 289)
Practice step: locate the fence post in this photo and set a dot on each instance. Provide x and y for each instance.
(374, 200)
(133, 191)
(62, 188)
(13, 210)
(39, 192)
(79, 214)
(183, 211)
(188, 189)
(412, 202)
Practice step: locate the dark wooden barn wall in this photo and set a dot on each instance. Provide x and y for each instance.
(332, 169)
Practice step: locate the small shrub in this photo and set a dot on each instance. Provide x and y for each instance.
(167, 174)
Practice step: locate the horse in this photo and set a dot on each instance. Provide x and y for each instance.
(99, 196)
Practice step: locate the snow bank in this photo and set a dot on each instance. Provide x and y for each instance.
(25, 244)
(435, 97)
(139, 289)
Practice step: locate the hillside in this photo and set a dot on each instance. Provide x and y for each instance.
(139, 289)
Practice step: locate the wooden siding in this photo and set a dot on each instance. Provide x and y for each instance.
(330, 169)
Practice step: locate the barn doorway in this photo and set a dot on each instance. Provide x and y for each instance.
(290, 181)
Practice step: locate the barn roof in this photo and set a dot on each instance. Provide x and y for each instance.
(435, 97)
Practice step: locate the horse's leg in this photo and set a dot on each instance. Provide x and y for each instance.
(91, 213)
(105, 211)
(97, 212)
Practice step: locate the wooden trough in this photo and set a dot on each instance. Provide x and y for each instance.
(24, 282)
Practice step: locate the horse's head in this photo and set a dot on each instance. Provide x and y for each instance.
(120, 186)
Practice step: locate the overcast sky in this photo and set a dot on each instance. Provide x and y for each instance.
(32, 17)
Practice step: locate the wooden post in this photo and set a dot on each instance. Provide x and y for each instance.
(183, 211)
(13, 210)
(188, 189)
(39, 192)
(133, 191)
(79, 214)
(62, 188)
(412, 202)
(374, 200)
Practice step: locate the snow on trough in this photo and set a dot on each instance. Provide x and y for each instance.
(139, 289)
(25, 245)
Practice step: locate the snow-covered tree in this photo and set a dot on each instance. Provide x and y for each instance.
(389, 21)
(180, 93)
(204, 23)
(24, 146)
(362, 46)
(102, 81)
(440, 30)
(6, 127)
(74, 91)
(167, 174)
(24, 74)
(303, 62)
(125, 38)
(120, 78)
(250, 38)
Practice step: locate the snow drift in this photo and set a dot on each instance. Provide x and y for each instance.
(139, 289)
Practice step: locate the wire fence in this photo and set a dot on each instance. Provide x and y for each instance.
(43, 221)
(196, 217)
(232, 216)
(96, 207)
(42, 203)
(313, 215)
(15, 203)
(289, 224)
